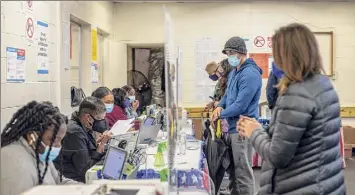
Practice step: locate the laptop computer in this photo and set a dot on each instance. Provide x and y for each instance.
(127, 141)
(114, 163)
(148, 133)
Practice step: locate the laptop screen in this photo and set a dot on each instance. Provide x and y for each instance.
(149, 121)
(114, 163)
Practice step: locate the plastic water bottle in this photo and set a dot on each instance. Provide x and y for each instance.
(182, 143)
(184, 116)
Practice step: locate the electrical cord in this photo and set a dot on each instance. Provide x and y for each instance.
(137, 157)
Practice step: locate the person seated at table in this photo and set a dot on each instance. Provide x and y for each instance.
(29, 143)
(120, 103)
(106, 96)
(80, 151)
(131, 108)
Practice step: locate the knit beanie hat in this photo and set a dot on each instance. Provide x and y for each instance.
(235, 44)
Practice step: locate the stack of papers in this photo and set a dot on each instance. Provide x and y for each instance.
(122, 126)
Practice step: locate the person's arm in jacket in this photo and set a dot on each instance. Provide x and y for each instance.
(222, 102)
(81, 157)
(293, 115)
(249, 84)
(271, 91)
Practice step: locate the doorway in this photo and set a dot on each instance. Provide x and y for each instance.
(145, 73)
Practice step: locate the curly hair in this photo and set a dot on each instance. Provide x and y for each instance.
(34, 117)
(227, 68)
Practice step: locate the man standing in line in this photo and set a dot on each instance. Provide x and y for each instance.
(241, 98)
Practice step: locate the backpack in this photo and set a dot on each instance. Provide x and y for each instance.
(77, 95)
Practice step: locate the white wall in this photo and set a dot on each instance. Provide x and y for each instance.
(141, 23)
(56, 85)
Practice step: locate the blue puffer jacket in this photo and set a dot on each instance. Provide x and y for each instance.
(271, 92)
(242, 94)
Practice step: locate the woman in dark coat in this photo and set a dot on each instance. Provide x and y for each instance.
(301, 149)
(271, 91)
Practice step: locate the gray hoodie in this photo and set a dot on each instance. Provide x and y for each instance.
(19, 169)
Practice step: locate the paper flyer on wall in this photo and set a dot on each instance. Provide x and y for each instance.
(15, 64)
(42, 48)
(94, 73)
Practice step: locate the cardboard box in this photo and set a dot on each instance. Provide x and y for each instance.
(348, 150)
(349, 134)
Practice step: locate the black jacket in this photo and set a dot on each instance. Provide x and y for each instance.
(78, 152)
(301, 149)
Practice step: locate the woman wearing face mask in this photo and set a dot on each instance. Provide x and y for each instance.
(118, 112)
(80, 150)
(131, 104)
(29, 144)
(106, 96)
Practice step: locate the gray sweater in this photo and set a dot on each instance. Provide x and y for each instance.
(19, 169)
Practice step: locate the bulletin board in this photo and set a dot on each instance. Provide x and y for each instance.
(326, 49)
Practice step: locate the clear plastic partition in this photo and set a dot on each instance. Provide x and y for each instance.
(187, 168)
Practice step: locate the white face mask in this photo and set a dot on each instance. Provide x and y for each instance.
(132, 98)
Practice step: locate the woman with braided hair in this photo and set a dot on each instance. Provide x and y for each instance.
(29, 144)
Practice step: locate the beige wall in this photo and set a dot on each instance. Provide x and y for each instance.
(56, 85)
(224, 20)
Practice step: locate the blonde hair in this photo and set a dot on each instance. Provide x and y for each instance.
(211, 67)
(295, 51)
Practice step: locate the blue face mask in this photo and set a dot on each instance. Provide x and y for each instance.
(52, 155)
(132, 98)
(233, 61)
(213, 77)
(109, 108)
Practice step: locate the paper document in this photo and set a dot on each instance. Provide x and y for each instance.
(121, 126)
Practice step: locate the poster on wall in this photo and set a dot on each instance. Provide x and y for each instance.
(262, 60)
(42, 48)
(30, 30)
(94, 45)
(206, 50)
(262, 43)
(15, 64)
(94, 73)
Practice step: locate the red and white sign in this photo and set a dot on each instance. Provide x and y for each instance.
(269, 42)
(29, 3)
(30, 29)
(259, 41)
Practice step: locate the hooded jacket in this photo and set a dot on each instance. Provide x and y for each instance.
(301, 149)
(271, 91)
(242, 94)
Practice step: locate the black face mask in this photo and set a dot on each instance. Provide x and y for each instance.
(99, 126)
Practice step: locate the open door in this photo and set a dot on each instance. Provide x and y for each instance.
(115, 70)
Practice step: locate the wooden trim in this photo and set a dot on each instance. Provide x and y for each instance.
(332, 50)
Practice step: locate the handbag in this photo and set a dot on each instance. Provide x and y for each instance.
(77, 95)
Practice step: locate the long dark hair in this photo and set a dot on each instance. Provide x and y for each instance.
(227, 68)
(101, 92)
(296, 53)
(36, 117)
(120, 95)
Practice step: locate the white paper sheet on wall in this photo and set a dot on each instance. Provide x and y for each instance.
(206, 51)
(66, 44)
